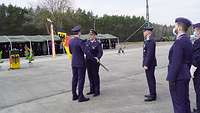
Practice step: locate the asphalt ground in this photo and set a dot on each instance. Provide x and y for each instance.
(45, 85)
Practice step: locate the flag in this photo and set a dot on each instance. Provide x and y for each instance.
(66, 46)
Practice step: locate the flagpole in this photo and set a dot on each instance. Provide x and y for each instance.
(52, 39)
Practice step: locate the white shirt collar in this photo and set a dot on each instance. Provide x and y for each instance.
(92, 40)
(148, 37)
(76, 36)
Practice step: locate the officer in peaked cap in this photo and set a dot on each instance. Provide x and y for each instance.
(76, 47)
(196, 63)
(92, 62)
(149, 62)
(180, 61)
(76, 29)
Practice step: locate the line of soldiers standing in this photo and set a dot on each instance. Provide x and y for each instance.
(93, 51)
(182, 56)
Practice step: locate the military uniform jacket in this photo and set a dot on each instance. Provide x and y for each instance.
(94, 49)
(180, 59)
(196, 53)
(76, 47)
(149, 53)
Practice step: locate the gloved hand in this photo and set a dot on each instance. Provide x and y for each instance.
(97, 59)
(192, 70)
(145, 67)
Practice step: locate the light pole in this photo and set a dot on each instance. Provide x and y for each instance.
(147, 13)
(52, 39)
(146, 23)
(95, 23)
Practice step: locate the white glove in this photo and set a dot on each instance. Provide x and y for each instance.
(145, 68)
(97, 59)
(192, 70)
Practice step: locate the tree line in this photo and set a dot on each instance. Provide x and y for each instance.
(32, 21)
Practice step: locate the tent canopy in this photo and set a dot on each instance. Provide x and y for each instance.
(42, 38)
(100, 36)
(23, 38)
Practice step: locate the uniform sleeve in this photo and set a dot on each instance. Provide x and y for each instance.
(150, 53)
(100, 51)
(85, 50)
(196, 54)
(83, 46)
(176, 60)
(70, 48)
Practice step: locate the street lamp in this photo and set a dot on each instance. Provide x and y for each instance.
(52, 38)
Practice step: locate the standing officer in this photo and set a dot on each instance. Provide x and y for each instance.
(180, 55)
(76, 47)
(92, 63)
(149, 62)
(196, 63)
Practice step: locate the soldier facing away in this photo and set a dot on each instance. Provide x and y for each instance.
(77, 49)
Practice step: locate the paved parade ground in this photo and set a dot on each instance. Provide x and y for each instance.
(45, 85)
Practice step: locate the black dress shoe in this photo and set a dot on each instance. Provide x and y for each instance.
(83, 99)
(196, 111)
(96, 94)
(147, 96)
(90, 93)
(150, 99)
(75, 98)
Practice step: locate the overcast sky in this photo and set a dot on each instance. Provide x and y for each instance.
(161, 11)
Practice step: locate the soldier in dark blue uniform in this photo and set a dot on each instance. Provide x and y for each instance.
(196, 63)
(77, 49)
(94, 47)
(149, 63)
(180, 61)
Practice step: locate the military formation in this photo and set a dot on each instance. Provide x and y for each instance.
(182, 55)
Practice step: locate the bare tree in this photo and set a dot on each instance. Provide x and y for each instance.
(57, 9)
(60, 6)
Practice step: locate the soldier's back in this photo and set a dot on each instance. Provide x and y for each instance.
(76, 48)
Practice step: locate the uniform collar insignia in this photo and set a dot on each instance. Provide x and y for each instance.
(180, 34)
